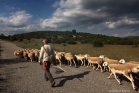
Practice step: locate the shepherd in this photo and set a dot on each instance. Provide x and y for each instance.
(47, 57)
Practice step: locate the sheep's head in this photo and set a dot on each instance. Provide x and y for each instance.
(122, 61)
(136, 69)
(101, 56)
(105, 64)
(86, 56)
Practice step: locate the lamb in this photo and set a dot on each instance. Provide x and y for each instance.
(125, 70)
(69, 57)
(95, 60)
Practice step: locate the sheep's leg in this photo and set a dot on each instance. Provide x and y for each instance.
(88, 64)
(93, 67)
(78, 62)
(70, 62)
(74, 63)
(117, 79)
(98, 67)
(132, 81)
(30, 59)
(131, 76)
(83, 62)
(25, 58)
(101, 68)
(107, 69)
(110, 75)
(60, 63)
(104, 68)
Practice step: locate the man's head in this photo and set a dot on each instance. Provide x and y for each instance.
(45, 41)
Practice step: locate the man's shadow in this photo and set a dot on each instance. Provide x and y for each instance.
(71, 77)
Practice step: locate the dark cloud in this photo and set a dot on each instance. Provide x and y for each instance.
(113, 8)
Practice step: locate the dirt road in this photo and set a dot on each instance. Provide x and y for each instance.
(17, 76)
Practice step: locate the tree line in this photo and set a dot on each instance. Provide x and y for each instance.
(73, 37)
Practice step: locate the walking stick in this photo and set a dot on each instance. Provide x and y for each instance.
(60, 68)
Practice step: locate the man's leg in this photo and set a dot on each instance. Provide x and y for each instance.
(45, 76)
(49, 75)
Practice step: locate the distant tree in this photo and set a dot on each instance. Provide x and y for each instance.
(71, 41)
(28, 38)
(73, 31)
(83, 41)
(97, 43)
(2, 34)
(20, 40)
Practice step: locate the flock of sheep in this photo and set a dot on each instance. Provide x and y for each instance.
(115, 67)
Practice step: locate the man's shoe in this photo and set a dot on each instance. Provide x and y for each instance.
(52, 84)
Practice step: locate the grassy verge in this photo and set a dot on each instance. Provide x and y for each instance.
(111, 51)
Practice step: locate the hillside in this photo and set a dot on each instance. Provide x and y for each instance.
(72, 37)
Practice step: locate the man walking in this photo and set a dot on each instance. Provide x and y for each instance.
(46, 55)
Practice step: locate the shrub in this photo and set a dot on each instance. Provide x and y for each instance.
(97, 43)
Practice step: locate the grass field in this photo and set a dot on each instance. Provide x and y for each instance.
(118, 52)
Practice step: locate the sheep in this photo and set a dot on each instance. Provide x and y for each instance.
(136, 75)
(80, 58)
(25, 54)
(111, 61)
(18, 53)
(59, 56)
(131, 62)
(15, 53)
(125, 70)
(69, 57)
(95, 60)
(31, 55)
(37, 52)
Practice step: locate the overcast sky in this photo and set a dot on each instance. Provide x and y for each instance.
(107, 17)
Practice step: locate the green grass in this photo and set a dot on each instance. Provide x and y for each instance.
(111, 51)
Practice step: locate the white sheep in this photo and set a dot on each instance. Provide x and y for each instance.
(80, 58)
(18, 53)
(70, 58)
(111, 61)
(125, 70)
(95, 60)
(59, 56)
